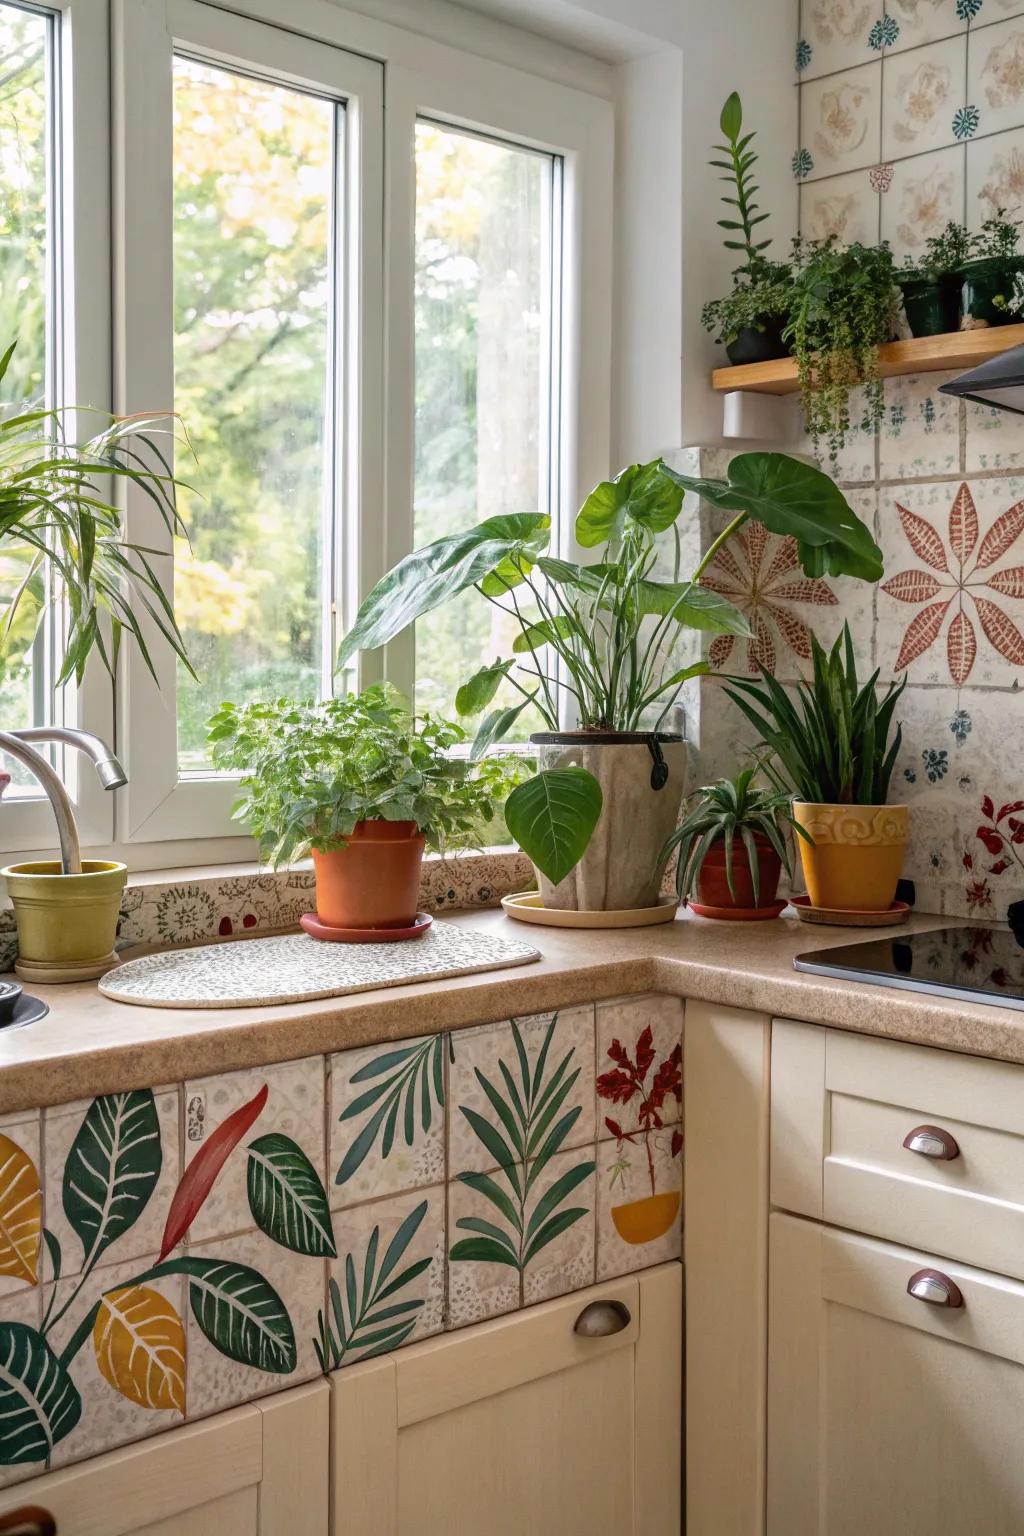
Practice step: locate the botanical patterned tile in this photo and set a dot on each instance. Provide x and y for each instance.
(995, 177)
(111, 1166)
(386, 1119)
(388, 1278)
(128, 1368)
(844, 206)
(515, 1239)
(639, 1203)
(285, 1100)
(925, 193)
(19, 1313)
(834, 35)
(951, 607)
(995, 439)
(841, 121)
(639, 1060)
(559, 1046)
(920, 435)
(995, 75)
(21, 1203)
(923, 93)
(261, 1302)
(926, 21)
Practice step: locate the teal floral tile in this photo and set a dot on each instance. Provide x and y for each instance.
(840, 118)
(928, 21)
(386, 1287)
(21, 1202)
(920, 433)
(834, 35)
(516, 1064)
(387, 1119)
(639, 1078)
(923, 93)
(639, 1202)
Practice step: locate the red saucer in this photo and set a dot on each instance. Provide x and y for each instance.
(737, 914)
(318, 930)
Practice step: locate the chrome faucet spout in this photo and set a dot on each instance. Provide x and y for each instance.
(109, 771)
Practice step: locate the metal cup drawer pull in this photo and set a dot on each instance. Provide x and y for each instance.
(932, 1141)
(601, 1319)
(937, 1289)
(29, 1520)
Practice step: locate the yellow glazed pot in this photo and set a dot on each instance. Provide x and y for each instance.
(857, 854)
(66, 923)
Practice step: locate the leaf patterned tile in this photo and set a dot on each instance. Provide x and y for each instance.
(565, 1260)
(840, 119)
(111, 1166)
(524, 1076)
(128, 1355)
(386, 1287)
(925, 193)
(995, 75)
(252, 1325)
(639, 1203)
(386, 1119)
(251, 1108)
(639, 1061)
(25, 1436)
(923, 91)
(920, 433)
(21, 1202)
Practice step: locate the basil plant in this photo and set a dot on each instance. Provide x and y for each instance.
(595, 641)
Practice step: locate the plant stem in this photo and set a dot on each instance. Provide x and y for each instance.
(716, 545)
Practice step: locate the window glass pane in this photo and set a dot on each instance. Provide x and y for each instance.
(484, 414)
(26, 239)
(254, 169)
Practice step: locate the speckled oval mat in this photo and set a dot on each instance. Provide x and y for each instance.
(295, 967)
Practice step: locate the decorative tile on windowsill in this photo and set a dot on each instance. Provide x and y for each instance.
(639, 1203)
(285, 1100)
(639, 1063)
(920, 434)
(386, 1119)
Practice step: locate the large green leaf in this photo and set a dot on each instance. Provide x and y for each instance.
(39, 1403)
(286, 1198)
(691, 606)
(478, 692)
(432, 575)
(638, 494)
(496, 726)
(535, 636)
(552, 817)
(794, 498)
(237, 1309)
(112, 1168)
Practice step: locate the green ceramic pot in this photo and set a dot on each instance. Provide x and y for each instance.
(67, 924)
(932, 305)
(757, 344)
(987, 289)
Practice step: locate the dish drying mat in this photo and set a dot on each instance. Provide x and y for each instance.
(295, 967)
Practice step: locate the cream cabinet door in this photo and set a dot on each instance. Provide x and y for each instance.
(887, 1413)
(520, 1425)
(261, 1470)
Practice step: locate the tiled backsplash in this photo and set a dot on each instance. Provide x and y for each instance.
(167, 1253)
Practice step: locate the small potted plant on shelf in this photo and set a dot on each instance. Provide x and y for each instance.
(843, 307)
(362, 786)
(731, 849)
(832, 748)
(931, 286)
(991, 277)
(596, 816)
(749, 320)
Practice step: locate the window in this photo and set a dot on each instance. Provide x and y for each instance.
(487, 319)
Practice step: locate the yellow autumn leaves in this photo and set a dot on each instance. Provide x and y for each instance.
(138, 1336)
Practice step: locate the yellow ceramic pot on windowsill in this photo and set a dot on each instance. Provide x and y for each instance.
(856, 857)
(67, 924)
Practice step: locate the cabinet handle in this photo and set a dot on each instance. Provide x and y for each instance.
(931, 1141)
(937, 1289)
(29, 1520)
(601, 1319)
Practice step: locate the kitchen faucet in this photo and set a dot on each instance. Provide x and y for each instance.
(109, 771)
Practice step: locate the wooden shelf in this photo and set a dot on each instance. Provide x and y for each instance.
(923, 354)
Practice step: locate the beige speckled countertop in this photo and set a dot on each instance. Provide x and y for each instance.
(89, 1044)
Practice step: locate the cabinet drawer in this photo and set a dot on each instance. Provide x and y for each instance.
(843, 1108)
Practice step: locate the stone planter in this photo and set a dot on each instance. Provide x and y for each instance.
(619, 870)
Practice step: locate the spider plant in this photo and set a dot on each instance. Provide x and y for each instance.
(721, 811)
(55, 516)
(831, 745)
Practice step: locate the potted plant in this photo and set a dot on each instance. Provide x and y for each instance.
(67, 540)
(931, 286)
(991, 276)
(596, 816)
(731, 849)
(842, 308)
(362, 786)
(832, 748)
(750, 319)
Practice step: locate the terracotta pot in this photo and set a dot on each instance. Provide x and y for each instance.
(67, 924)
(374, 881)
(857, 854)
(642, 1221)
(713, 886)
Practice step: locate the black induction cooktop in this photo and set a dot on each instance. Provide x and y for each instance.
(975, 964)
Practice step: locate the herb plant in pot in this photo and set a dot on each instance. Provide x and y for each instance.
(832, 748)
(991, 276)
(601, 647)
(931, 286)
(731, 849)
(363, 787)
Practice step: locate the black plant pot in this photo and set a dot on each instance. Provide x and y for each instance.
(932, 305)
(988, 287)
(757, 344)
